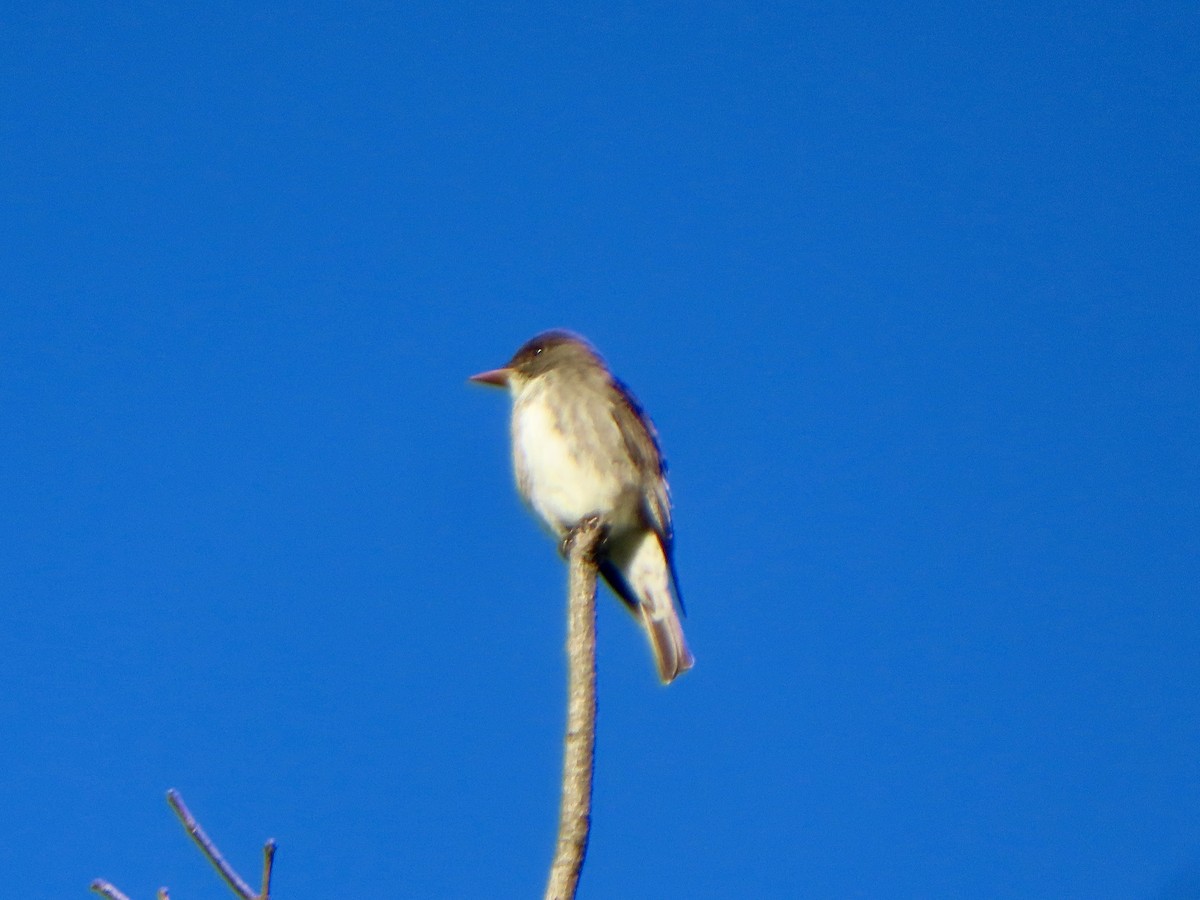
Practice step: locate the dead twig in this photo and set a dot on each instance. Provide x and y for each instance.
(211, 853)
(104, 889)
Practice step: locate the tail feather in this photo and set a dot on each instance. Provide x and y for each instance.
(671, 653)
(639, 572)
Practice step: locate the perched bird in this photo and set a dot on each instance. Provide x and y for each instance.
(582, 446)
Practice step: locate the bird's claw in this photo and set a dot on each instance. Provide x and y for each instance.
(582, 526)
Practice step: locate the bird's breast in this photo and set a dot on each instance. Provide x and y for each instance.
(564, 468)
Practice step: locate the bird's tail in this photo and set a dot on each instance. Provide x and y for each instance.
(671, 653)
(649, 577)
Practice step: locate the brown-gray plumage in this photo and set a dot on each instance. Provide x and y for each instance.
(582, 446)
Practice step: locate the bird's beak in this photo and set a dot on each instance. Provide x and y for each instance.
(497, 377)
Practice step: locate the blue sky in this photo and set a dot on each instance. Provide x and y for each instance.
(909, 292)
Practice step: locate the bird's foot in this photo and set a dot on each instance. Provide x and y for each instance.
(591, 529)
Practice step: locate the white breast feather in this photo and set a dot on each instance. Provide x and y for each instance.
(562, 487)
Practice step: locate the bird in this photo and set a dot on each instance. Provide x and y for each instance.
(581, 447)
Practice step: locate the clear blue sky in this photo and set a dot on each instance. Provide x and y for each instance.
(911, 295)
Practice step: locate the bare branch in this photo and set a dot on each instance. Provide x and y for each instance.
(104, 889)
(574, 816)
(209, 849)
(268, 863)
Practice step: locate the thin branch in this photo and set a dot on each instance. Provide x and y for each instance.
(574, 815)
(268, 863)
(104, 889)
(209, 849)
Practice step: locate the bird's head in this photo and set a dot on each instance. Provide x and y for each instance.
(547, 351)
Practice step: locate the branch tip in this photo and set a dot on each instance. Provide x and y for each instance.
(268, 864)
(209, 849)
(104, 889)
